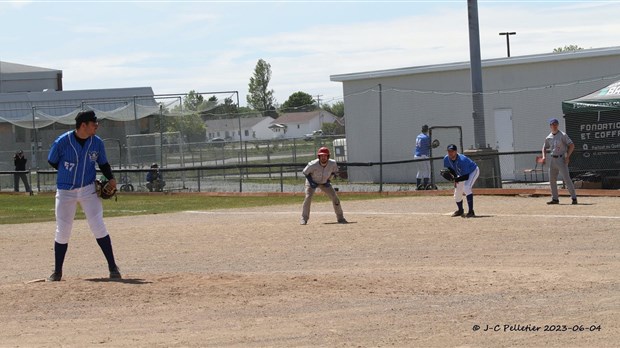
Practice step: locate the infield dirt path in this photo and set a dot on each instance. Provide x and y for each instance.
(402, 273)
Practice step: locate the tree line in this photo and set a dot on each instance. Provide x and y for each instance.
(195, 110)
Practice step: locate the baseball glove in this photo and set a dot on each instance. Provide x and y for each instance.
(447, 174)
(105, 189)
(435, 144)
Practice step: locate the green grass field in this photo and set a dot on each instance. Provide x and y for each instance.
(16, 209)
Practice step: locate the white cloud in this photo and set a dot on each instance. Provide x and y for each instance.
(213, 48)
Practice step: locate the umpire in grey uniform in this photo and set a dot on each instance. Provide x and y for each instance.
(560, 147)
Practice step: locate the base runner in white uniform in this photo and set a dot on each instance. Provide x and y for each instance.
(74, 154)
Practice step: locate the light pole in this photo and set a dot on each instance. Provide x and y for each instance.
(508, 39)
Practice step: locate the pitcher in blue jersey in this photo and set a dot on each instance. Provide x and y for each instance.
(74, 154)
(466, 173)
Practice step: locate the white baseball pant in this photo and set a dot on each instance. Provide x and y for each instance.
(66, 206)
(465, 186)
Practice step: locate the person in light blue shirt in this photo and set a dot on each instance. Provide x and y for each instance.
(466, 173)
(422, 151)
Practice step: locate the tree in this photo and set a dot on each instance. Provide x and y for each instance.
(298, 102)
(260, 97)
(189, 123)
(336, 109)
(226, 110)
(191, 126)
(229, 107)
(330, 128)
(569, 48)
(193, 101)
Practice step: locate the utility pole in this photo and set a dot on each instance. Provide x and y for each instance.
(476, 75)
(508, 39)
(318, 100)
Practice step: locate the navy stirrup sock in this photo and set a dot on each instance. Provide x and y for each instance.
(460, 205)
(105, 244)
(60, 250)
(470, 201)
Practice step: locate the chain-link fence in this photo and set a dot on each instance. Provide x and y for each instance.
(275, 166)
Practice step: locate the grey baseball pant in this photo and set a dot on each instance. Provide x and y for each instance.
(557, 166)
(330, 192)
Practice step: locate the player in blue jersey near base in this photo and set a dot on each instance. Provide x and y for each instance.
(466, 173)
(422, 151)
(74, 154)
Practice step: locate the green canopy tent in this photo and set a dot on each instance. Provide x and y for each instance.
(593, 123)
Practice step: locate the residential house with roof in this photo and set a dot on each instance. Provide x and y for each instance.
(297, 124)
(252, 128)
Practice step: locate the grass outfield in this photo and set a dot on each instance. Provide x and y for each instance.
(16, 209)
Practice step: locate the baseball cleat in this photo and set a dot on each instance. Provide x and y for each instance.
(342, 221)
(303, 222)
(457, 213)
(554, 201)
(574, 201)
(55, 277)
(470, 214)
(115, 273)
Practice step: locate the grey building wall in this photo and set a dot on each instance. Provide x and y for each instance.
(24, 78)
(530, 87)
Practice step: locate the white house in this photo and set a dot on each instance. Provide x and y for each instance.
(252, 128)
(520, 94)
(297, 124)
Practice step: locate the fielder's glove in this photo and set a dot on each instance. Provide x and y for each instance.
(448, 174)
(105, 189)
(435, 144)
(327, 184)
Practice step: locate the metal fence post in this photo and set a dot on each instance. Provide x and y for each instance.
(198, 178)
(281, 179)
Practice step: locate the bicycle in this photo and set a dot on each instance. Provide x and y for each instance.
(126, 185)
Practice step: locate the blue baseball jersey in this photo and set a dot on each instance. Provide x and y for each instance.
(422, 145)
(462, 165)
(76, 163)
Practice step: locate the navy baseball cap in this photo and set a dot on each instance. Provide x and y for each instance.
(452, 147)
(553, 120)
(85, 117)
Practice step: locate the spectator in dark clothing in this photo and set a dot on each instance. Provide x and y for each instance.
(20, 165)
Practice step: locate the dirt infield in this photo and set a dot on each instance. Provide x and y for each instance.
(403, 273)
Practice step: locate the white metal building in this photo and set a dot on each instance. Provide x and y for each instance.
(25, 78)
(34, 110)
(521, 93)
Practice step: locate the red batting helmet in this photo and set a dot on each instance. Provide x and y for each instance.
(323, 151)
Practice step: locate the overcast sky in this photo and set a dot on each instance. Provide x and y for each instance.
(175, 47)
